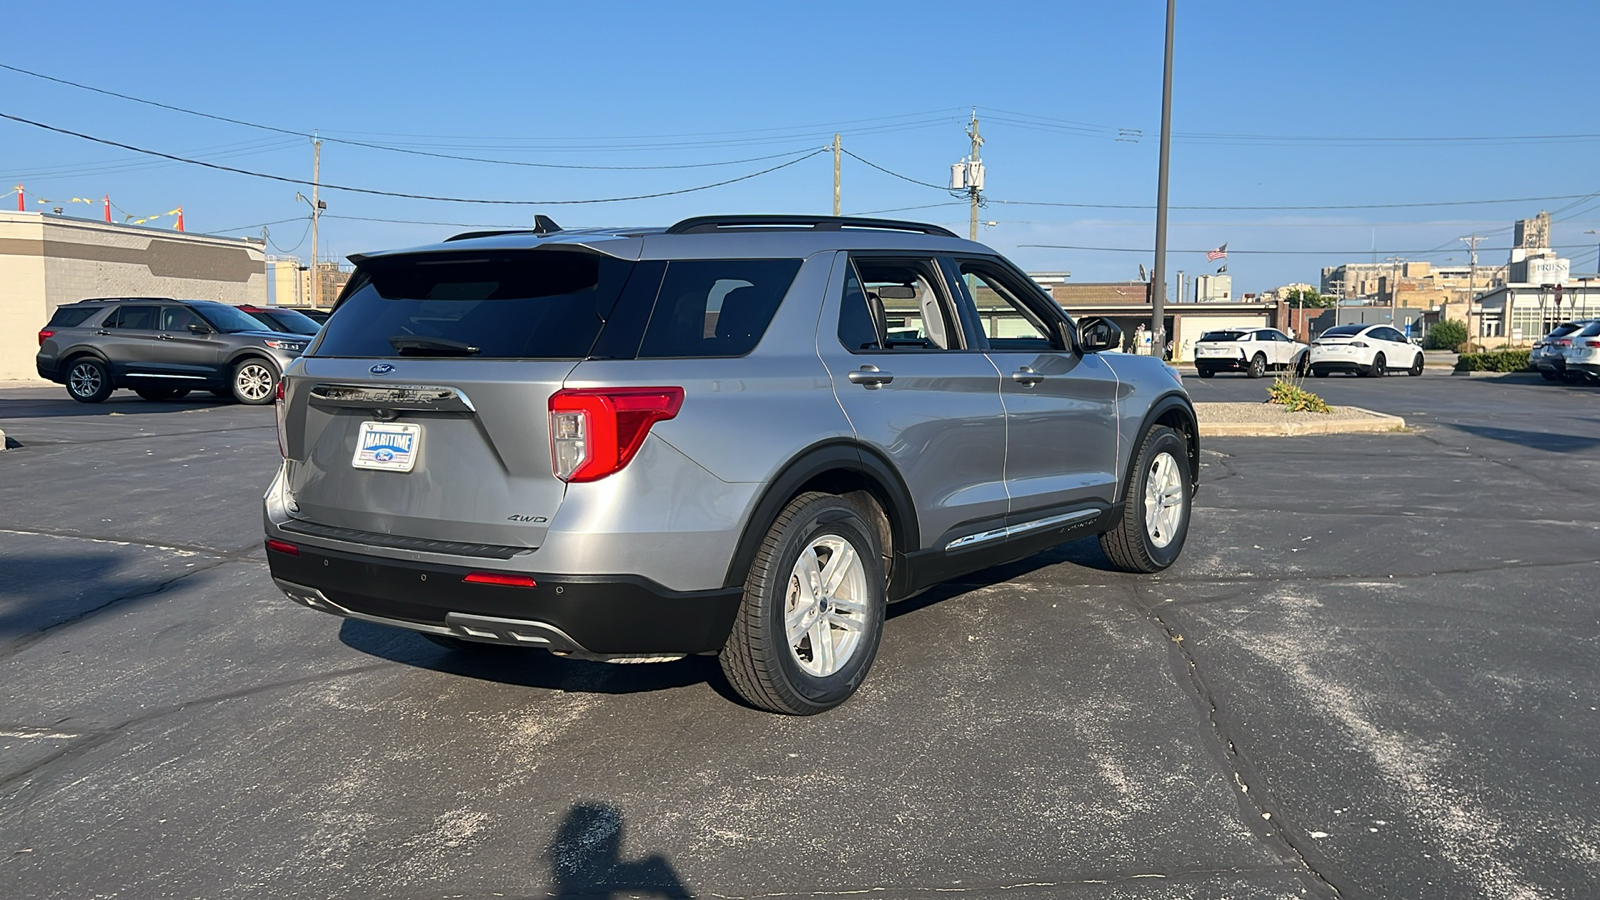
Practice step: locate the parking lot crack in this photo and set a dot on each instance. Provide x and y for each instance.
(1260, 816)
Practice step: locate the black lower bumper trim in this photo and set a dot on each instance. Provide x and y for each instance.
(617, 614)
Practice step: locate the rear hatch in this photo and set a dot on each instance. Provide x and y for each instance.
(421, 410)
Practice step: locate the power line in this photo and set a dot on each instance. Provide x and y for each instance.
(401, 195)
(874, 165)
(390, 148)
(1233, 251)
(1579, 197)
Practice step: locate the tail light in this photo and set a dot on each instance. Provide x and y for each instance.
(503, 579)
(282, 410)
(1358, 343)
(1591, 343)
(282, 547)
(595, 432)
(44, 333)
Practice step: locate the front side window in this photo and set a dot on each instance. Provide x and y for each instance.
(177, 318)
(1006, 320)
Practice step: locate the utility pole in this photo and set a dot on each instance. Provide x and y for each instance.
(1394, 285)
(316, 213)
(836, 149)
(975, 174)
(1158, 290)
(1472, 282)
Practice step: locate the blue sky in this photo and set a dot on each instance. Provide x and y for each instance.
(1308, 100)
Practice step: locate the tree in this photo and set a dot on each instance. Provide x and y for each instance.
(1302, 298)
(1447, 334)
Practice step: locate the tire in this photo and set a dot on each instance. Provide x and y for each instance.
(1204, 373)
(1416, 367)
(1571, 377)
(1258, 367)
(1320, 373)
(254, 382)
(1156, 506)
(784, 674)
(157, 393)
(1549, 375)
(1378, 369)
(88, 381)
(1302, 365)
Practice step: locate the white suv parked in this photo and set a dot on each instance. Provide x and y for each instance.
(1252, 351)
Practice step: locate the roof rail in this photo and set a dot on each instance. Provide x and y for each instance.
(541, 225)
(708, 224)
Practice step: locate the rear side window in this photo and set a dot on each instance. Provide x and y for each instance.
(716, 307)
(69, 316)
(141, 318)
(531, 304)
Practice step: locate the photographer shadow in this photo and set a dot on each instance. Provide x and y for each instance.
(586, 860)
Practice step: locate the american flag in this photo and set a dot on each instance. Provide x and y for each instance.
(1219, 253)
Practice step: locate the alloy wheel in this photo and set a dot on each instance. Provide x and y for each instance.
(253, 381)
(825, 611)
(85, 379)
(1164, 500)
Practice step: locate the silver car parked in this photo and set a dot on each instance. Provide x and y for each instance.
(737, 435)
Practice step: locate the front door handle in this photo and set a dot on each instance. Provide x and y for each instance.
(164, 336)
(1026, 377)
(871, 376)
(103, 333)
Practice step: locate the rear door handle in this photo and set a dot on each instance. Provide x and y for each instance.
(164, 336)
(103, 333)
(871, 376)
(1026, 377)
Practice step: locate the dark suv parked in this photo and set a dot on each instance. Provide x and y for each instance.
(737, 436)
(162, 349)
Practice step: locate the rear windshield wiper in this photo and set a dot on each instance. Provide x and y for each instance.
(412, 345)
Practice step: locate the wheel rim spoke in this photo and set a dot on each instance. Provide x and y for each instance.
(1164, 500)
(827, 609)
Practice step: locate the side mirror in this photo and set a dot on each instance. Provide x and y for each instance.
(1096, 334)
(199, 328)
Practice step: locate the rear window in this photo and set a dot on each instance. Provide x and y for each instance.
(716, 307)
(1219, 336)
(1592, 330)
(1561, 330)
(533, 304)
(68, 316)
(1344, 330)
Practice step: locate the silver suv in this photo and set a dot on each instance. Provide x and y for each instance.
(163, 349)
(738, 435)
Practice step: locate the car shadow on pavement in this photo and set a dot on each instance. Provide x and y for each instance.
(1537, 440)
(1084, 552)
(586, 860)
(66, 407)
(529, 667)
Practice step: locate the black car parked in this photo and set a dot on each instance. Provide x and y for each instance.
(162, 349)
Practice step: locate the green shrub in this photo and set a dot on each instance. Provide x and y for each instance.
(1286, 391)
(1493, 361)
(1447, 335)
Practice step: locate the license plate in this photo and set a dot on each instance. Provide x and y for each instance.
(389, 446)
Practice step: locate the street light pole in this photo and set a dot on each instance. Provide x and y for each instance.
(1158, 290)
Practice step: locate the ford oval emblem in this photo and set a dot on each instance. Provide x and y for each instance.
(381, 369)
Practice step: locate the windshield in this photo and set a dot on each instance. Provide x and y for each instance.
(229, 319)
(1211, 336)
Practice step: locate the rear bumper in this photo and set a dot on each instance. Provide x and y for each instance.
(1219, 363)
(602, 614)
(1339, 365)
(47, 369)
(1587, 368)
(1553, 363)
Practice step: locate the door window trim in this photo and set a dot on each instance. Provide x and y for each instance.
(1028, 293)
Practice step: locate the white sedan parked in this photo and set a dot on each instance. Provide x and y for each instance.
(1374, 350)
(1583, 353)
(1252, 351)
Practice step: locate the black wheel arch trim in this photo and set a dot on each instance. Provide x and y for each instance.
(245, 353)
(1163, 405)
(837, 455)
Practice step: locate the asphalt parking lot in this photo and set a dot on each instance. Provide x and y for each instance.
(1372, 674)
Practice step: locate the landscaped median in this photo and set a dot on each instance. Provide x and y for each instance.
(1274, 420)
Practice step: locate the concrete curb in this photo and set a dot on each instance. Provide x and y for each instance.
(1313, 423)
